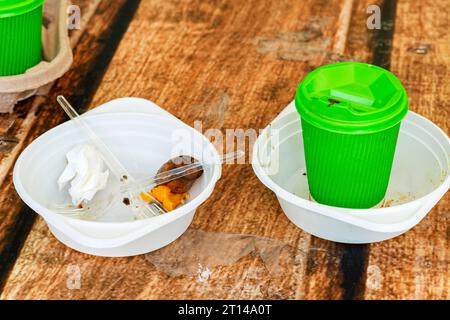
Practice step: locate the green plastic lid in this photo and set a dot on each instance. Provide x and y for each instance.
(10, 8)
(352, 98)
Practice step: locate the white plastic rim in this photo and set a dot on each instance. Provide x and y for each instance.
(391, 220)
(114, 122)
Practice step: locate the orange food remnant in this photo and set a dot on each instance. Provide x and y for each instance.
(169, 200)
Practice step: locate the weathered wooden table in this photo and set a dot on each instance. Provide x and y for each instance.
(233, 64)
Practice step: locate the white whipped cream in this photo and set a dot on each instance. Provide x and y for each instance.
(86, 173)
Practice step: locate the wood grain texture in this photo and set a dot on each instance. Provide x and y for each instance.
(235, 64)
(15, 132)
(416, 265)
(34, 117)
(213, 62)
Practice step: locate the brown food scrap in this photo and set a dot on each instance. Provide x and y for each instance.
(173, 194)
(333, 102)
(182, 185)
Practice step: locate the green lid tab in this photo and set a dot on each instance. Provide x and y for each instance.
(352, 98)
(10, 8)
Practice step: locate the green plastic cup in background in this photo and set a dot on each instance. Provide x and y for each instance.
(20, 35)
(351, 115)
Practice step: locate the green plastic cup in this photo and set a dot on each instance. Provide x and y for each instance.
(20, 35)
(351, 115)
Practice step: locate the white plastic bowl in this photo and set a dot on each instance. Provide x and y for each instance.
(143, 137)
(420, 178)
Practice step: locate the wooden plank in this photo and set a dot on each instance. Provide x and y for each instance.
(34, 117)
(202, 67)
(342, 275)
(416, 265)
(15, 128)
(231, 65)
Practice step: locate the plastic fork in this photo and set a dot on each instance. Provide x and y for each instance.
(90, 211)
(139, 207)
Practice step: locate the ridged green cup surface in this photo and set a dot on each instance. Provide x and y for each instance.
(351, 116)
(20, 35)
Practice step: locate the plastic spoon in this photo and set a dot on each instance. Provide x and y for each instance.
(178, 173)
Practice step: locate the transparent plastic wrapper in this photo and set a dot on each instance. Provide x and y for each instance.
(197, 252)
(57, 55)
